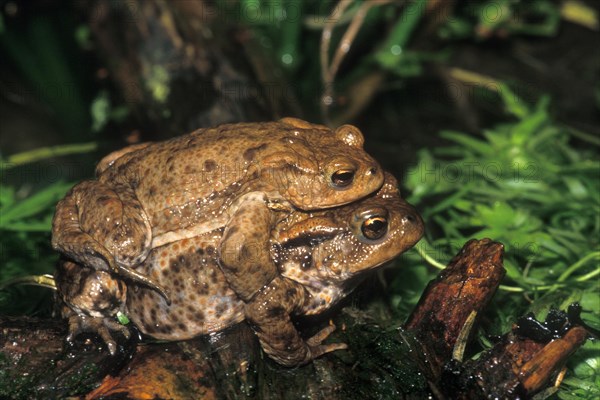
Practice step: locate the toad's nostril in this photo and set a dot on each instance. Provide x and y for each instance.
(410, 218)
(372, 171)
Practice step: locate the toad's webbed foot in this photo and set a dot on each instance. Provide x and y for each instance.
(144, 280)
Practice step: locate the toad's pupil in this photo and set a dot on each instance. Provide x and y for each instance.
(374, 228)
(342, 178)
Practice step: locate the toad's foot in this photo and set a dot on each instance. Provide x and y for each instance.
(317, 349)
(102, 326)
(269, 315)
(144, 280)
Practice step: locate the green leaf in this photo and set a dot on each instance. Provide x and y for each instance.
(42, 200)
(7, 196)
(528, 126)
(514, 105)
(122, 318)
(44, 153)
(391, 52)
(576, 187)
(476, 145)
(33, 226)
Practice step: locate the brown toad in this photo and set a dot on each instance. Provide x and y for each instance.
(320, 257)
(152, 194)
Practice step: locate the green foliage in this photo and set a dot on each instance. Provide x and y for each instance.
(390, 54)
(584, 382)
(483, 19)
(24, 244)
(25, 222)
(288, 31)
(278, 23)
(30, 214)
(523, 184)
(42, 50)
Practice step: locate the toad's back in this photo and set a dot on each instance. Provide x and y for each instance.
(197, 176)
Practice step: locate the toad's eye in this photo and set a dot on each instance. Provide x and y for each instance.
(374, 228)
(342, 178)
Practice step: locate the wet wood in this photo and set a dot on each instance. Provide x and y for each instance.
(36, 362)
(516, 367)
(465, 286)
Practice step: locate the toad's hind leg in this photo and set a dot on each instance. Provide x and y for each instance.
(105, 229)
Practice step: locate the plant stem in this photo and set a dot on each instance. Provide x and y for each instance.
(43, 153)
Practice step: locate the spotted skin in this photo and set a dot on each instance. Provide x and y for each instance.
(319, 257)
(152, 194)
(201, 299)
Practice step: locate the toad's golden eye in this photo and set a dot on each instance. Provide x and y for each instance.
(374, 228)
(342, 178)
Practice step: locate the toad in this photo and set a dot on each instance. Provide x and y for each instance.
(320, 257)
(152, 194)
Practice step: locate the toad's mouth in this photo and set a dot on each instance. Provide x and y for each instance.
(340, 267)
(330, 263)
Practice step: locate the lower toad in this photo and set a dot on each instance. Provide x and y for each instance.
(320, 258)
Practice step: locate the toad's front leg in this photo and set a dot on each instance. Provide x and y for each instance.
(269, 315)
(104, 228)
(244, 251)
(246, 262)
